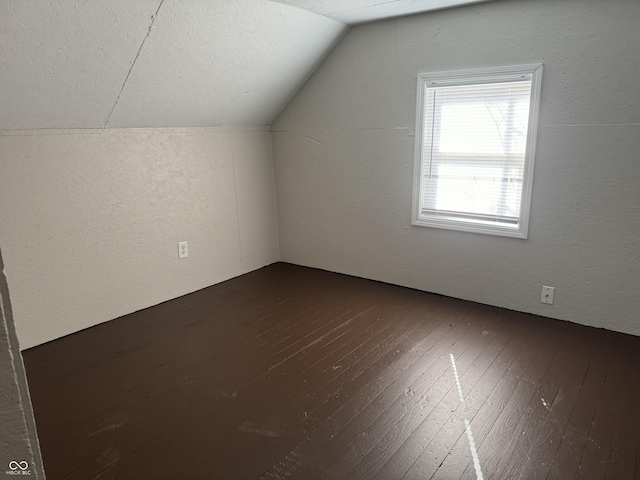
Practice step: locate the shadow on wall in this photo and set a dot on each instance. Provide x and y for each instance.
(19, 448)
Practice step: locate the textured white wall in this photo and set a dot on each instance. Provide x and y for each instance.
(343, 152)
(18, 436)
(90, 219)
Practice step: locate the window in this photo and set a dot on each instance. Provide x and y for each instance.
(475, 142)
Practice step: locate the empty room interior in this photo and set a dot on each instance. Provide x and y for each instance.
(359, 239)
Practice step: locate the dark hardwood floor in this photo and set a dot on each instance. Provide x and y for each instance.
(290, 372)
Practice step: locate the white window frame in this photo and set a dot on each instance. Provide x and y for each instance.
(470, 77)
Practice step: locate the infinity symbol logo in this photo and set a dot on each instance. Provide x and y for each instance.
(13, 465)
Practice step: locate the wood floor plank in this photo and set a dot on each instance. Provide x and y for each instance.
(210, 392)
(291, 372)
(262, 428)
(129, 384)
(135, 365)
(510, 417)
(595, 456)
(334, 404)
(515, 357)
(371, 436)
(623, 448)
(370, 384)
(413, 448)
(508, 456)
(563, 386)
(472, 363)
(237, 405)
(567, 459)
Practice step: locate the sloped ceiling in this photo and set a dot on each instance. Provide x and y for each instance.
(154, 63)
(358, 11)
(168, 63)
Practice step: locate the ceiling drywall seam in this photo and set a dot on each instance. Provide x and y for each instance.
(135, 59)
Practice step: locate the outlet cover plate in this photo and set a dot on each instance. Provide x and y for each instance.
(547, 295)
(183, 249)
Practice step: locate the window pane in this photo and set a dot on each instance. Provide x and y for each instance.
(489, 127)
(479, 189)
(475, 139)
(475, 148)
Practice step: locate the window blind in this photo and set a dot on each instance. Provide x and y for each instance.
(474, 145)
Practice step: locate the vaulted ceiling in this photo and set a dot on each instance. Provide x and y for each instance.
(159, 63)
(358, 11)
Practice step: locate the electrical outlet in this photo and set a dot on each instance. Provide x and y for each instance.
(547, 295)
(183, 249)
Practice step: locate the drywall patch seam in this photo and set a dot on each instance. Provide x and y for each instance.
(235, 191)
(135, 59)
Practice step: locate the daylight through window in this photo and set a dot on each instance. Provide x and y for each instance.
(474, 149)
